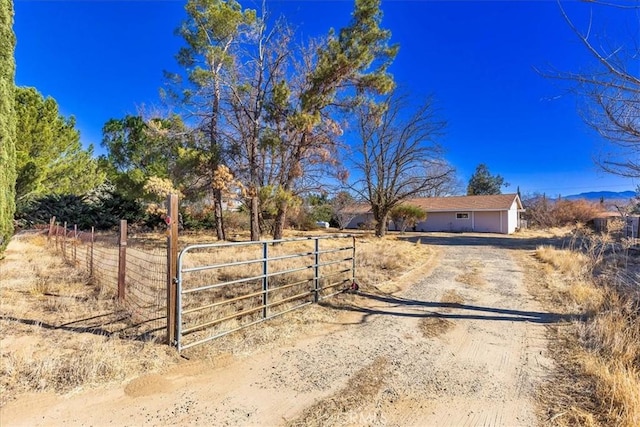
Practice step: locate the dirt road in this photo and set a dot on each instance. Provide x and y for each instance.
(462, 346)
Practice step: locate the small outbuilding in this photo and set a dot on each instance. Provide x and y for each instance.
(485, 214)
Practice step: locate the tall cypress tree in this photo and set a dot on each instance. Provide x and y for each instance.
(7, 123)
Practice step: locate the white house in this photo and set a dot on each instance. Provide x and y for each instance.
(485, 214)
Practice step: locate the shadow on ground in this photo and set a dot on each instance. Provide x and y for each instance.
(476, 239)
(117, 323)
(403, 307)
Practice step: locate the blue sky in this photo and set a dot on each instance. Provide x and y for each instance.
(103, 59)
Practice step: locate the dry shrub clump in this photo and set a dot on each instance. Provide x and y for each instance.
(547, 213)
(452, 297)
(435, 326)
(361, 388)
(598, 380)
(472, 275)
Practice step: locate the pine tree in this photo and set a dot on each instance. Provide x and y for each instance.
(49, 156)
(483, 183)
(7, 122)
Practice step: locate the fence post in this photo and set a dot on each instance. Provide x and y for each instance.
(265, 279)
(91, 254)
(64, 242)
(172, 267)
(75, 244)
(122, 259)
(353, 261)
(57, 227)
(316, 271)
(52, 221)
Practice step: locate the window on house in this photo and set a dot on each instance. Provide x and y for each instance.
(462, 215)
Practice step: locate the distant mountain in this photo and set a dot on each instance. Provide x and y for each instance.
(606, 195)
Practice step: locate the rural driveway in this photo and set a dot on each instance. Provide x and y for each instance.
(463, 346)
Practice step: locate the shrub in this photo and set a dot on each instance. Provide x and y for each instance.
(100, 209)
(545, 213)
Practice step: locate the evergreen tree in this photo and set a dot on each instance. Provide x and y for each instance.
(483, 183)
(406, 215)
(7, 122)
(49, 156)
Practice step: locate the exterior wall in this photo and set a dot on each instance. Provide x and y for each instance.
(482, 221)
(445, 221)
(512, 218)
(361, 219)
(504, 222)
(488, 222)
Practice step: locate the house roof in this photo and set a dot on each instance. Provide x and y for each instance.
(498, 202)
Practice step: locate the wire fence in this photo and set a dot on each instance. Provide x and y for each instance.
(135, 278)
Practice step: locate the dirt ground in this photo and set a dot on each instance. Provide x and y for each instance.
(463, 345)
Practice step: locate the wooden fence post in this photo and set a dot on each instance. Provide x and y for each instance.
(64, 241)
(91, 254)
(52, 222)
(75, 243)
(172, 267)
(122, 259)
(57, 230)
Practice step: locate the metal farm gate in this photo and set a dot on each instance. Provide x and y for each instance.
(223, 287)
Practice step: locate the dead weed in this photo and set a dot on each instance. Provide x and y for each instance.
(597, 380)
(361, 388)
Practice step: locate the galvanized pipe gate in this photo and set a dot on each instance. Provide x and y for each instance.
(223, 287)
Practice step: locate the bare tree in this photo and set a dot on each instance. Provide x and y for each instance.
(398, 156)
(343, 207)
(265, 58)
(611, 88)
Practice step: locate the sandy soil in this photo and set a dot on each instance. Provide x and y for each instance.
(464, 345)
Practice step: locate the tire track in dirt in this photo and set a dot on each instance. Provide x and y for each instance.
(489, 347)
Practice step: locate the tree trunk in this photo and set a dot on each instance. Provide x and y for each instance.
(255, 218)
(278, 226)
(381, 228)
(381, 222)
(217, 208)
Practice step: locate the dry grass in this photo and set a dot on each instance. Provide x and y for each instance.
(569, 281)
(452, 297)
(472, 275)
(361, 388)
(544, 233)
(435, 326)
(597, 381)
(60, 332)
(382, 264)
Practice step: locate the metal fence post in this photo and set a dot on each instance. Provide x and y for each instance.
(265, 279)
(172, 267)
(316, 270)
(122, 259)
